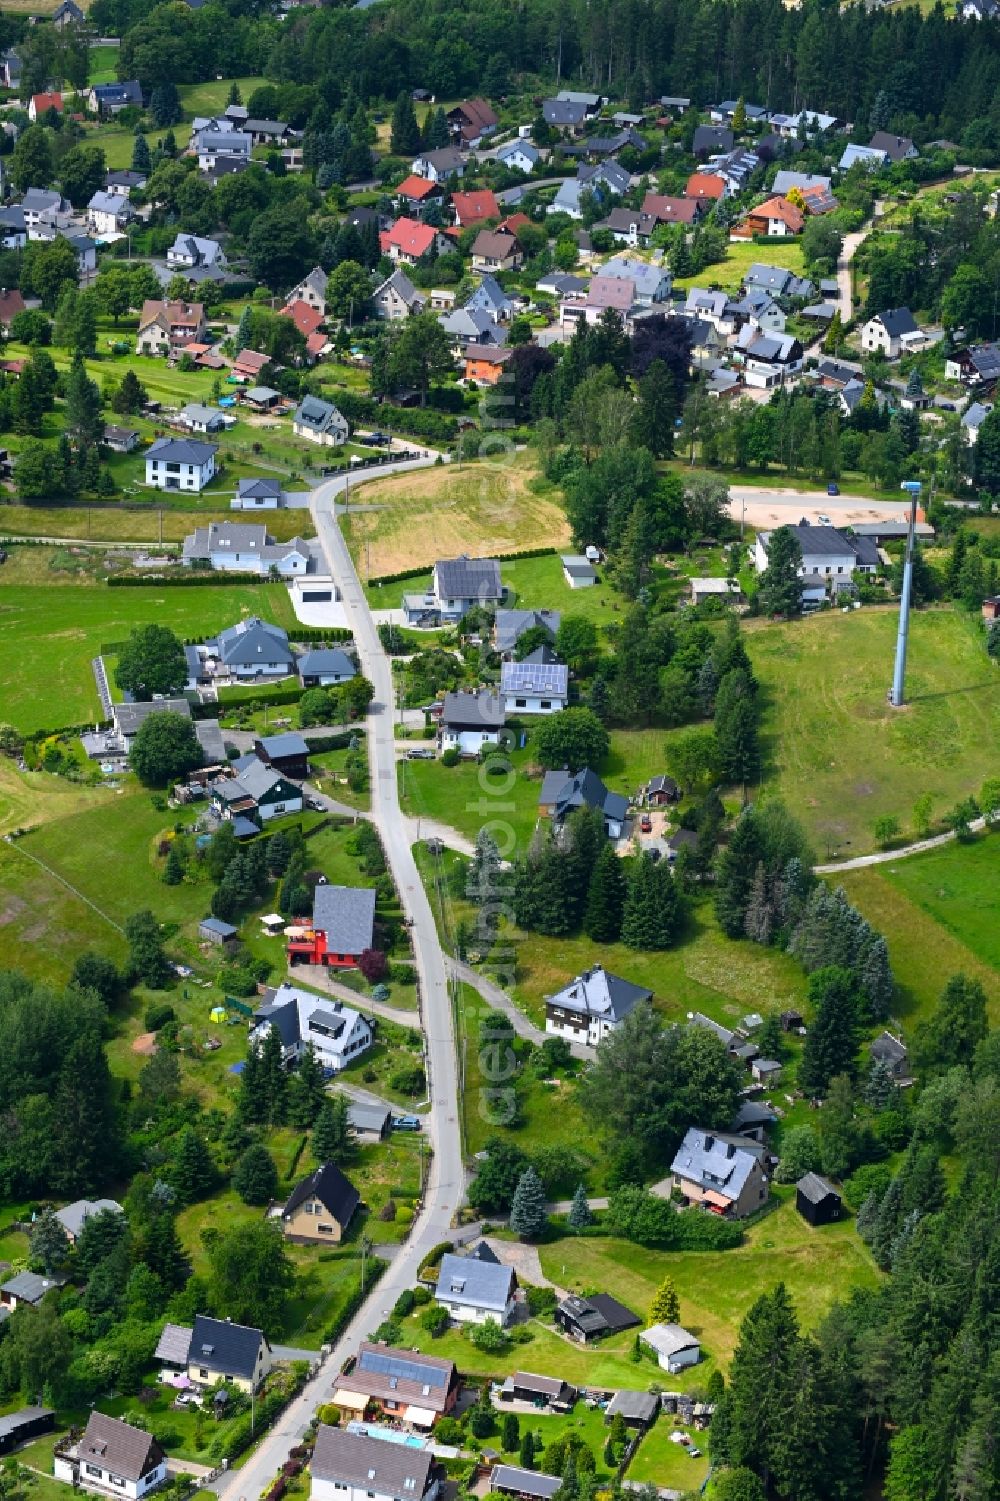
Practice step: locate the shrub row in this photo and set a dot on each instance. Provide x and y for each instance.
(421, 422)
(320, 743)
(501, 557)
(271, 695)
(376, 1266)
(184, 580)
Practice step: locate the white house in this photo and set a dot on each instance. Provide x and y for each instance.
(244, 548)
(109, 213)
(474, 1291)
(189, 251)
(519, 156)
(254, 796)
(470, 721)
(673, 1346)
(311, 290)
(112, 1459)
(460, 583)
(320, 422)
(650, 283)
(768, 359)
(578, 572)
(247, 651)
(336, 1033)
(885, 332)
(973, 418)
(357, 1467)
(591, 1006)
(826, 552)
(534, 685)
(202, 419)
(257, 495)
(180, 464)
(396, 298)
(438, 166)
(869, 157)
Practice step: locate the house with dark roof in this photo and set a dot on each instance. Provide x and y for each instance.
(471, 121)
(494, 250)
(636, 1409)
(397, 298)
(112, 1458)
(470, 721)
(587, 1319)
(319, 421)
(416, 1389)
(591, 1006)
(534, 687)
(350, 1466)
(440, 165)
(564, 115)
(976, 365)
(896, 148)
(564, 791)
(321, 1207)
(223, 1351)
(725, 1174)
(244, 548)
(189, 251)
(885, 333)
(336, 1032)
(473, 1291)
(16, 1428)
(891, 1050)
(256, 794)
(541, 1391)
(712, 140)
(287, 753)
(180, 464)
(826, 552)
(525, 1485)
(247, 651)
(343, 924)
(27, 1287)
(510, 625)
(817, 1200)
(257, 495)
(369, 1123)
(324, 666)
(460, 583)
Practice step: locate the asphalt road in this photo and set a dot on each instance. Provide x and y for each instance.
(445, 1184)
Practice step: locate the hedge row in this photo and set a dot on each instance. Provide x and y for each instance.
(501, 557)
(273, 695)
(376, 1266)
(320, 743)
(423, 422)
(184, 580)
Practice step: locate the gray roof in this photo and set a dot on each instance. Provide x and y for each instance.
(635, 1407)
(713, 138)
(253, 640)
(368, 1117)
(12, 1422)
(468, 578)
(74, 1216)
(817, 541)
(327, 661)
(668, 1339)
(332, 1188)
(182, 451)
(714, 1162)
(524, 1482)
(444, 159)
(512, 624)
(814, 1188)
(599, 994)
(473, 1283)
(888, 1047)
(254, 781)
(128, 1453)
(111, 203)
(290, 743)
(577, 566)
(371, 1464)
(128, 717)
(216, 925)
(566, 790)
(535, 677)
(561, 112)
(29, 1287)
(229, 1349)
(259, 489)
(174, 1344)
(897, 321)
(475, 710)
(346, 915)
(318, 415)
(401, 1375)
(195, 411)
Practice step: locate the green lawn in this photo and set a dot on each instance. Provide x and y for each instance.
(49, 637)
(464, 797)
(939, 913)
(103, 64)
(835, 751)
(211, 98)
(740, 256)
(540, 584)
(43, 927)
(660, 1462)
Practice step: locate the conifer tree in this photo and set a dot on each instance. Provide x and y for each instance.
(306, 1091)
(832, 1039)
(602, 919)
(580, 1213)
(528, 1217)
(404, 137)
(332, 1140)
(666, 1306)
(192, 1169)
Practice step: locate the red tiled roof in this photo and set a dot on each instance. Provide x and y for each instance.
(42, 102)
(669, 210)
(306, 319)
(513, 223)
(316, 343)
(411, 238)
(417, 187)
(779, 208)
(11, 303)
(472, 208)
(704, 185)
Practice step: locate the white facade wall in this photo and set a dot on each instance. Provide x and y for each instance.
(533, 703)
(468, 742)
(468, 1313)
(169, 476)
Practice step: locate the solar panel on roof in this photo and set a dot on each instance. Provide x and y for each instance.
(401, 1369)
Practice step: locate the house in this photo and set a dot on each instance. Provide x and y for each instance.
(460, 583)
(336, 1032)
(417, 1389)
(891, 1050)
(485, 366)
(541, 1391)
(578, 572)
(661, 790)
(754, 1120)
(723, 1173)
(396, 298)
(592, 103)
(222, 934)
(519, 156)
(321, 1207)
(249, 365)
(629, 226)
(471, 721)
(867, 157)
(44, 208)
(287, 753)
(306, 319)
(791, 127)
(473, 208)
(325, 666)
(534, 687)
(319, 421)
(369, 1123)
(896, 148)
(636, 1409)
(975, 365)
(74, 1216)
(473, 1291)
(592, 1006)
(11, 303)
(721, 588)
(650, 284)
(112, 1459)
(440, 165)
(16, 1428)
(777, 280)
(111, 98)
(40, 104)
(973, 418)
(665, 209)
(348, 1466)
(990, 608)
(165, 326)
(673, 1346)
(768, 359)
(311, 290)
(10, 69)
(563, 791)
(712, 140)
(817, 1200)
(194, 251)
(408, 240)
(247, 651)
(255, 795)
(524, 1485)
(121, 439)
(489, 297)
(825, 551)
(884, 332)
(586, 1319)
(510, 625)
(223, 1351)
(221, 149)
(473, 327)
(67, 13)
(472, 121)
(127, 719)
(564, 115)
(13, 227)
(26, 1287)
(765, 1071)
(343, 926)
(777, 217)
(201, 419)
(706, 187)
(784, 181)
(257, 495)
(180, 464)
(418, 193)
(109, 213)
(494, 251)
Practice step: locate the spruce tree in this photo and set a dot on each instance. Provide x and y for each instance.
(602, 919)
(832, 1038)
(173, 871)
(580, 1213)
(666, 1306)
(481, 879)
(639, 912)
(876, 980)
(332, 1140)
(256, 1177)
(759, 919)
(84, 422)
(888, 1223)
(736, 716)
(141, 159)
(780, 591)
(192, 1169)
(306, 1091)
(528, 1217)
(735, 873)
(510, 1432)
(880, 1086)
(273, 1079)
(404, 137)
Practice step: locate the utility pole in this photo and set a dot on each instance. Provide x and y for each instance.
(897, 691)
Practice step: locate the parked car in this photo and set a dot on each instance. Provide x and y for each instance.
(315, 804)
(646, 824)
(824, 520)
(832, 489)
(419, 753)
(406, 1123)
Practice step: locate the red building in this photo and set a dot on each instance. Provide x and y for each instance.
(342, 927)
